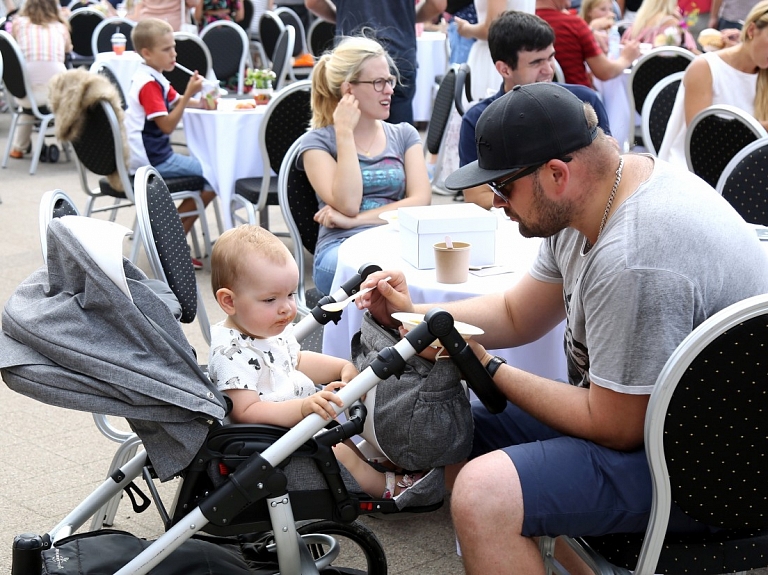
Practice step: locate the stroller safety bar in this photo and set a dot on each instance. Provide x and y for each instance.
(254, 479)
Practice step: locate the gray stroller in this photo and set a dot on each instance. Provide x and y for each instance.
(267, 499)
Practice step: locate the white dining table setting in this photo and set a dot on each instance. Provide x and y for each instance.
(514, 256)
(226, 141)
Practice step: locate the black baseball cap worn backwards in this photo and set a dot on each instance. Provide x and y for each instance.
(527, 126)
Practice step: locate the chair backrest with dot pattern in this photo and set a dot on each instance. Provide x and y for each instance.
(716, 426)
(715, 136)
(744, 182)
(441, 111)
(165, 236)
(13, 67)
(657, 109)
(286, 120)
(270, 27)
(652, 67)
(95, 148)
(82, 23)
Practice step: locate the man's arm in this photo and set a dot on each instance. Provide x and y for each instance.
(597, 414)
(325, 9)
(428, 10)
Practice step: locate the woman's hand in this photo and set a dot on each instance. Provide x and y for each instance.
(331, 218)
(347, 113)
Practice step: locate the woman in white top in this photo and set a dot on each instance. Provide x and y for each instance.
(737, 76)
(486, 80)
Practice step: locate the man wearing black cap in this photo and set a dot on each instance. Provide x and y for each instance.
(637, 254)
(522, 49)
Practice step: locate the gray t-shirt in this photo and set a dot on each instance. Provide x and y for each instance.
(383, 175)
(671, 256)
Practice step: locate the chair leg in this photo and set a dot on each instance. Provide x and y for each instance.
(38, 147)
(11, 133)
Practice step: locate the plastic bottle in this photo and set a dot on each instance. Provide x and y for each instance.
(614, 42)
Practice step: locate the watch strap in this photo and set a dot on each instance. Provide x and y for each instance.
(493, 366)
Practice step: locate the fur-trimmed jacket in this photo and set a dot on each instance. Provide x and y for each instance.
(73, 92)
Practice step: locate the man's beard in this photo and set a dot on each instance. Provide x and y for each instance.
(552, 217)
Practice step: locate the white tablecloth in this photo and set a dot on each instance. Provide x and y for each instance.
(381, 245)
(227, 145)
(433, 61)
(123, 66)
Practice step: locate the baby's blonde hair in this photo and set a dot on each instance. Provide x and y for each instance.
(230, 251)
(147, 32)
(342, 64)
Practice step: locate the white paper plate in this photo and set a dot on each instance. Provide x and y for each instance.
(411, 320)
(391, 218)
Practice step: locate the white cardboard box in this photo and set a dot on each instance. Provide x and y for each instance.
(424, 226)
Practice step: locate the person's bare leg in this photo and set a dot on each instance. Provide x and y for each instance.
(569, 559)
(487, 511)
(189, 204)
(373, 482)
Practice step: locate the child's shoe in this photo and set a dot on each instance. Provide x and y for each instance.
(405, 482)
(17, 154)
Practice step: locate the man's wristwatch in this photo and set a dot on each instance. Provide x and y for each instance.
(493, 366)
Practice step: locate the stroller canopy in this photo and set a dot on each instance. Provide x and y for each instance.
(86, 332)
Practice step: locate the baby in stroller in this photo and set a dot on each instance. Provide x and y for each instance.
(255, 358)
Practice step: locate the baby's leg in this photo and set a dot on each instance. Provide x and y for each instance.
(372, 481)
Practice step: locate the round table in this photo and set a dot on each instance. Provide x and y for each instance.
(381, 245)
(226, 143)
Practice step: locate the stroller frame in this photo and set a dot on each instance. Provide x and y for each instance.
(256, 479)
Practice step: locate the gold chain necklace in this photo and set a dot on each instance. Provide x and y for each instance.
(367, 152)
(619, 170)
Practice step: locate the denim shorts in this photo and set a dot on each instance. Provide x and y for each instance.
(324, 265)
(178, 166)
(572, 486)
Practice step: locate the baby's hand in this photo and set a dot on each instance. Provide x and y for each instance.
(320, 403)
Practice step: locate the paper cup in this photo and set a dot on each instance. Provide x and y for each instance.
(118, 43)
(452, 265)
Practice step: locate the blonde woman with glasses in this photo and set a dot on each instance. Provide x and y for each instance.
(737, 76)
(359, 165)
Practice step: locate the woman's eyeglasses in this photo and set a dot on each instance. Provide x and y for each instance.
(379, 83)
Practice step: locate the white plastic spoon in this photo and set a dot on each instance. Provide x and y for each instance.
(338, 306)
(448, 242)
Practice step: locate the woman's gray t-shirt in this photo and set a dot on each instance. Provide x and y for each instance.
(383, 174)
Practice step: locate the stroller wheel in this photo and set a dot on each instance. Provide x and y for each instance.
(44, 153)
(361, 551)
(53, 153)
